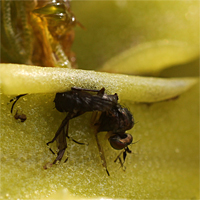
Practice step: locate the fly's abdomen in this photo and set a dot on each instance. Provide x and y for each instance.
(64, 102)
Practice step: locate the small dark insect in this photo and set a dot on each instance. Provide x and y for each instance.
(15, 101)
(22, 117)
(110, 116)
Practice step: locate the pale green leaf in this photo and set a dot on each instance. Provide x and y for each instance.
(151, 58)
(21, 79)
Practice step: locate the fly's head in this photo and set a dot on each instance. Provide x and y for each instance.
(120, 141)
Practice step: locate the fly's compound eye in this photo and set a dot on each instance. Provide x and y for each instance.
(119, 142)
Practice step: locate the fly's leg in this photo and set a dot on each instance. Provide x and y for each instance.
(69, 116)
(118, 156)
(120, 160)
(62, 145)
(63, 124)
(101, 154)
(122, 164)
(51, 151)
(15, 101)
(67, 127)
(61, 135)
(81, 143)
(59, 156)
(126, 150)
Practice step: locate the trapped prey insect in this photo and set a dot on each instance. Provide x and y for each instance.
(17, 116)
(108, 116)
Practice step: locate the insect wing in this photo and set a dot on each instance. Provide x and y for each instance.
(61, 143)
(101, 104)
(61, 139)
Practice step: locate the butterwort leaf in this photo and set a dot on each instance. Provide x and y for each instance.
(21, 79)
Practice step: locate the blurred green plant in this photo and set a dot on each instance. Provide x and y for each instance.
(152, 35)
(37, 32)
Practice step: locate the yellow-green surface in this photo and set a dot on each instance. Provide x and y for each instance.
(164, 163)
(32, 79)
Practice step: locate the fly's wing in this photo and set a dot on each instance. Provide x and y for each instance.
(97, 103)
(102, 104)
(61, 143)
(84, 101)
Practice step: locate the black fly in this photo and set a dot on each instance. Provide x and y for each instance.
(108, 115)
